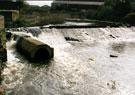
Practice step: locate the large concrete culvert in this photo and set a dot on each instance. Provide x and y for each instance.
(34, 50)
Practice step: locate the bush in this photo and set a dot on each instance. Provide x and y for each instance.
(105, 13)
(114, 10)
(91, 14)
(130, 18)
(20, 22)
(121, 9)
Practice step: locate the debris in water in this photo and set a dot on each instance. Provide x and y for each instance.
(113, 55)
(112, 36)
(91, 59)
(71, 39)
(112, 85)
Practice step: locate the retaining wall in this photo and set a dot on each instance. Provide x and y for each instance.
(3, 55)
(3, 51)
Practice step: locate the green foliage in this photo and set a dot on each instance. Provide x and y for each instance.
(9, 24)
(0, 63)
(121, 8)
(20, 22)
(24, 5)
(130, 18)
(110, 2)
(91, 14)
(105, 13)
(114, 10)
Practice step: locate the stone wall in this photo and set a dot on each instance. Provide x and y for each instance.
(3, 51)
(1, 22)
(2, 40)
(15, 15)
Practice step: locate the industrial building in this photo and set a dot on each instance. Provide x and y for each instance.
(10, 9)
(76, 4)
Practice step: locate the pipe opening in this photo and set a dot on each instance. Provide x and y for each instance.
(41, 55)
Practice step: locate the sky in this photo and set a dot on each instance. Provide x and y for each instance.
(40, 2)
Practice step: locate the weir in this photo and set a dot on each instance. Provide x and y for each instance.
(82, 67)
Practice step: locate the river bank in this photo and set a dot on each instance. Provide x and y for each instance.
(60, 17)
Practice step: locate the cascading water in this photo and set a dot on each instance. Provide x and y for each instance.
(79, 67)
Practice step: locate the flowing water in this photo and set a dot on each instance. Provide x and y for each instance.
(81, 65)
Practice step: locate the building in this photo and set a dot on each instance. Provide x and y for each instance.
(76, 4)
(10, 9)
(10, 4)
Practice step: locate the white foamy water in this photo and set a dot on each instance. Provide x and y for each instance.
(76, 23)
(71, 23)
(82, 67)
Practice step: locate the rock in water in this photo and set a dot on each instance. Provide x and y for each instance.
(113, 55)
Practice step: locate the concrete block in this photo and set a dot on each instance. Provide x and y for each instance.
(34, 50)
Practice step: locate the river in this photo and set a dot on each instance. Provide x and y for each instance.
(81, 65)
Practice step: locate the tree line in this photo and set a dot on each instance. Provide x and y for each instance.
(114, 10)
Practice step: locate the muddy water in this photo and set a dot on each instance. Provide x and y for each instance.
(79, 67)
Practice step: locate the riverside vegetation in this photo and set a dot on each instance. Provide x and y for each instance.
(119, 12)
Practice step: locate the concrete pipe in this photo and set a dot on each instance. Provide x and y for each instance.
(34, 50)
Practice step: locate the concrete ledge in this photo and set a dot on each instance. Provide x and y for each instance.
(74, 26)
(34, 50)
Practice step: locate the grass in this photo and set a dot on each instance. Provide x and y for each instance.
(45, 18)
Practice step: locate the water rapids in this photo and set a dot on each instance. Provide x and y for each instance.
(81, 65)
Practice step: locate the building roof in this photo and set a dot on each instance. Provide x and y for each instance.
(79, 2)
